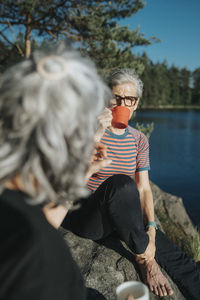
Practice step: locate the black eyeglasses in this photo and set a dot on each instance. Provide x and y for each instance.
(128, 100)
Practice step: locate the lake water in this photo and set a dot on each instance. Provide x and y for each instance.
(175, 154)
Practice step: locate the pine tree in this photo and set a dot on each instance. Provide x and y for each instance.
(163, 83)
(92, 25)
(150, 80)
(196, 87)
(185, 90)
(174, 80)
(172, 86)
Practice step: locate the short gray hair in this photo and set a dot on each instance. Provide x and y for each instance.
(120, 76)
(48, 112)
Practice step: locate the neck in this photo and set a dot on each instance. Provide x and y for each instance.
(117, 130)
(15, 184)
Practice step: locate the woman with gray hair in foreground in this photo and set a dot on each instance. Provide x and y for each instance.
(48, 110)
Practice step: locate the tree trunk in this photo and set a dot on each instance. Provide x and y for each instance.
(28, 37)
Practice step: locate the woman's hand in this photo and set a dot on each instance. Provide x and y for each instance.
(149, 253)
(98, 160)
(99, 152)
(104, 120)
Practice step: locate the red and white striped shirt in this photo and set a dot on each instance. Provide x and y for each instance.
(129, 153)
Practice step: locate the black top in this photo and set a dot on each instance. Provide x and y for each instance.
(35, 262)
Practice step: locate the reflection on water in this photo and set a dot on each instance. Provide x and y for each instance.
(174, 154)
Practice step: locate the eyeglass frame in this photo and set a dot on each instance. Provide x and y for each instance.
(130, 98)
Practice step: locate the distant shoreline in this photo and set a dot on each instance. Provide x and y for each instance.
(196, 107)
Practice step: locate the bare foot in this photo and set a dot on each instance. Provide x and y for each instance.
(153, 277)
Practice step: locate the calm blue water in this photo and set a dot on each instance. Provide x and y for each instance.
(175, 154)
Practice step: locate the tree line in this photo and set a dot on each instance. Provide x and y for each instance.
(169, 85)
(93, 27)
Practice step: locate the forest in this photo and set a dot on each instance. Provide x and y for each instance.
(93, 27)
(169, 86)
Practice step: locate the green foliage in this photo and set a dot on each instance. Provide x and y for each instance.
(92, 26)
(8, 56)
(196, 87)
(189, 244)
(146, 129)
(169, 86)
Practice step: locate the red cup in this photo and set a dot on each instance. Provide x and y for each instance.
(121, 116)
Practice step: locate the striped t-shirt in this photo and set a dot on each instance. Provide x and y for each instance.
(129, 153)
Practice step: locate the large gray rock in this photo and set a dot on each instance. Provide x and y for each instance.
(106, 265)
(171, 211)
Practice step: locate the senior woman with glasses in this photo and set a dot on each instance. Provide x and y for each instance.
(125, 206)
(48, 113)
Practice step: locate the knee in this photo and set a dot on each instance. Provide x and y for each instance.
(121, 181)
(118, 188)
(121, 191)
(121, 185)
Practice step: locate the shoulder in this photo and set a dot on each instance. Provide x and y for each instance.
(139, 136)
(23, 223)
(33, 251)
(13, 221)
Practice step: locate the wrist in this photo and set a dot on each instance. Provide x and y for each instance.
(151, 224)
(151, 233)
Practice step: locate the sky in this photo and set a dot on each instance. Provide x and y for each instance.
(177, 24)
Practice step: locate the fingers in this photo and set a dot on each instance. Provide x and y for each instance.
(105, 118)
(98, 159)
(99, 152)
(142, 260)
(106, 162)
(148, 255)
(102, 150)
(100, 164)
(107, 113)
(95, 166)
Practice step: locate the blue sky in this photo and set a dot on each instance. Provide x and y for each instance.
(177, 24)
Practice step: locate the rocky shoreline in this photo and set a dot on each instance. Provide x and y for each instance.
(106, 265)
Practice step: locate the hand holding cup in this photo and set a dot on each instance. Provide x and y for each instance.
(121, 116)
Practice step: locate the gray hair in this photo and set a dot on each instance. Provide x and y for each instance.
(48, 112)
(120, 76)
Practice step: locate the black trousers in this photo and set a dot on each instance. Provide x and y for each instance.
(115, 207)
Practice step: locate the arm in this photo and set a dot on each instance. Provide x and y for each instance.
(98, 160)
(56, 214)
(146, 199)
(104, 121)
(99, 155)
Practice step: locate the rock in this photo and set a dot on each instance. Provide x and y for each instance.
(107, 264)
(171, 211)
